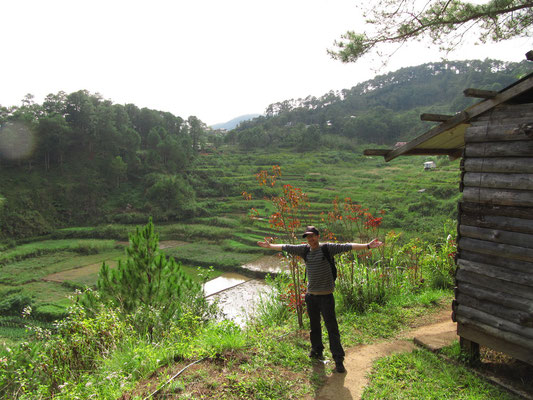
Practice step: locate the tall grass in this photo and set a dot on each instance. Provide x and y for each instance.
(375, 278)
(372, 279)
(423, 375)
(272, 309)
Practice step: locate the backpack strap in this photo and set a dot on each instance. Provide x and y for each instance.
(304, 256)
(325, 251)
(331, 260)
(306, 252)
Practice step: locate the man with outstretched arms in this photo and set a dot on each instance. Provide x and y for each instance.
(321, 274)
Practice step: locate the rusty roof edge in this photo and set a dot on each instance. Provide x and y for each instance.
(464, 116)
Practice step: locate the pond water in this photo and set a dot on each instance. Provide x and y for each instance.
(223, 282)
(239, 302)
(238, 295)
(268, 264)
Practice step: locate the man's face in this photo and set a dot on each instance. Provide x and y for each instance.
(312, 239)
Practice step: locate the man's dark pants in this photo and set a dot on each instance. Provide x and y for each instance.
(324, 305)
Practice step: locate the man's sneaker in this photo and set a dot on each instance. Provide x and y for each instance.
(339, 367)
(318, 355)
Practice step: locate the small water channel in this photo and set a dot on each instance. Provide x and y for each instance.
(267, 265)
(224, 282)
(237, 294)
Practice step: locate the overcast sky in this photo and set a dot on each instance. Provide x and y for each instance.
(209, 58)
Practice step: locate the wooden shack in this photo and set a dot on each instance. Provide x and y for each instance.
(493, 304)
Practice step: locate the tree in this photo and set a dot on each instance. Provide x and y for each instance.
(446, 22)
(290, 207)
(196, 129)
(106, 133)
(148, 284)
(117, 170)
(171, 196)
(55, 103)
(53, 133)
(172, 153)
(128, 140)
(154, 137)
(80, 114)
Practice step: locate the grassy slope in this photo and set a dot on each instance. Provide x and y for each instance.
(226, 239)
(423, 375)
(272, 363)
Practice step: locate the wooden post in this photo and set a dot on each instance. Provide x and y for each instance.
(482, 94)
(471, 349)
(435, 117)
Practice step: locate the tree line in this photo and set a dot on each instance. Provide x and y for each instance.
(84, 126)
(380, 111)
(74, 152)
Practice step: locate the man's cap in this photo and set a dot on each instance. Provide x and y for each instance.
(310, 230)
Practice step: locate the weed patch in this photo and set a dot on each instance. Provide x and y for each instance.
(423, 375)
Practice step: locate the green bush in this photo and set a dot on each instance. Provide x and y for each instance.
(49, 312)
(110, 231)
(444, 192)
(13, 301)
(39, 368)
(129, 218)
(439, 260)
(86, 249)
(170, 198)
(224, 222)
(8, 244)
(425, 205)
(17, 223)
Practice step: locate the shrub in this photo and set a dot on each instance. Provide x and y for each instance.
(147, 286)
(171, 197)
(129, 218)
(440, 259)
(50, 312)
(12, 302)
(39, 368)
(224, 222)
(17, 223)
(86, 249)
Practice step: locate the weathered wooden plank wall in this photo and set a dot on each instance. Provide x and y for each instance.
(494, 294)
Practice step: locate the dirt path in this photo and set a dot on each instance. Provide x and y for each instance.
(440, 332)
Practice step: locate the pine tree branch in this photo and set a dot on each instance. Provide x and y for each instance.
(439, 21)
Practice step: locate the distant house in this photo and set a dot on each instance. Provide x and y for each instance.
(493, 304)
(429, 165)
(399, 144)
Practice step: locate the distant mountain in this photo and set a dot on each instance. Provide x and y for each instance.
(232, 124)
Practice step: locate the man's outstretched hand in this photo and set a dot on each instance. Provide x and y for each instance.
(375, 244)
(265, 244)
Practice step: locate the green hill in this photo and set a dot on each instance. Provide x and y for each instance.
(78, 159)
(383, 110)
